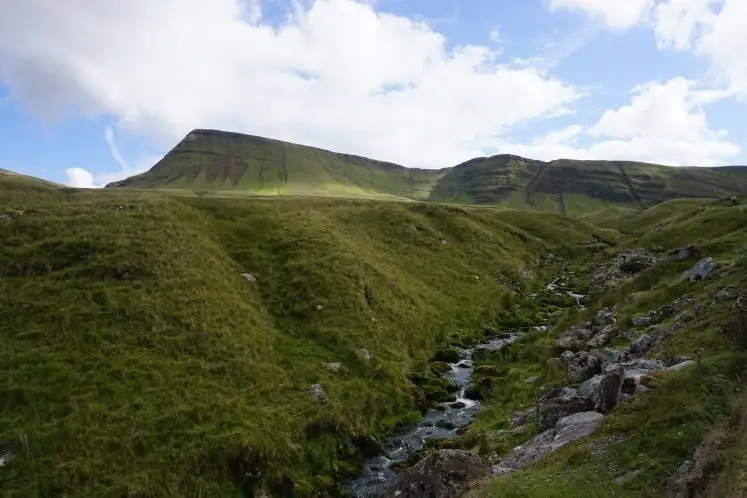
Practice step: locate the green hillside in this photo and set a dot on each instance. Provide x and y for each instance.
(216, 162)
(138, 361)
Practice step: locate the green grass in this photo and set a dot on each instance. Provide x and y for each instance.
(230, 163)
(137, 360)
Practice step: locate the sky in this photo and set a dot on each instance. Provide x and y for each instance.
(93, 91)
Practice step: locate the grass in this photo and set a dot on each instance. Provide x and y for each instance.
(221, 163)
(138, 361)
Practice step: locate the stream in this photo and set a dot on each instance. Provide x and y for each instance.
(377, 473)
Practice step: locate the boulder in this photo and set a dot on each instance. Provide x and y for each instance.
(442, 474)
(645, 364)
(368, 446)
(612, 357)
(583, 366)
(681, 366)
(631, 382)
(702, 269)
(334, 366)
(602, 337)
(724, 294)
(563, 403)
(640, 345)
(567, 430)
(636, 261)
(603, 390)
(603, 318)
(567, 356)
(682, 253)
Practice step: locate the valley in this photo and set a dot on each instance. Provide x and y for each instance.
(161, 342)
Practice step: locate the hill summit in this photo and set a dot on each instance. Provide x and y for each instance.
(225, 162)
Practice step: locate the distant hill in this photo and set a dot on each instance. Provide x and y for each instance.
(216, 161)
(10, 180)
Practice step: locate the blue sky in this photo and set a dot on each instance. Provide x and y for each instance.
(420, 82)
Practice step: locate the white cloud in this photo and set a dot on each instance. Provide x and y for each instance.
(714, 30)
(616, 14)
(336, 74)
(80, 178)
(664, 123)
(495, 35)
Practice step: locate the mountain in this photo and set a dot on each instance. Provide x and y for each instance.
(232, 163)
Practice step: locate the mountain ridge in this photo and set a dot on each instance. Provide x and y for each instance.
(217, 161)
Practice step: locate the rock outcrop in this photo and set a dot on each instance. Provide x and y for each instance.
(442, 474)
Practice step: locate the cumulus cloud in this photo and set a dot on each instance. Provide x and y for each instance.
(80, 178)
(335, 73)
(663, 123)
(617, 14)
(714, 30)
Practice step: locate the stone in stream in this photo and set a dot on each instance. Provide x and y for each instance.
(442, 474)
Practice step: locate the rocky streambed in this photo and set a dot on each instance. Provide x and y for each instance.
(441, 423)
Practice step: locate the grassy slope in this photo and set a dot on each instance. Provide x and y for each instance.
(655, 432)
(136, 359)
(216, 161)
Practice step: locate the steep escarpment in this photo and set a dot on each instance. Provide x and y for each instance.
(216, 162)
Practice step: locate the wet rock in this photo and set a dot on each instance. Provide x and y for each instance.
(682, 253)
(641, 321)
(567, 430)
(458, 405)
(702, 269)
(368, 446)
(335, 366)
(464, 364)
(446, 424)
(317, 391)
(418, 395)
(440, 367)
(640, 346)
(448, 355)
(582, 367)
(443, 474)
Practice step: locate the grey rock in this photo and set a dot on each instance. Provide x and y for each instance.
(631, 382)
(640, 346)
(566, 342)
(627, 478)
(689, 252)
(599, 340)
(641, 321)
(317, 391)
(636, 261)
(702, 269)
(567, 356)
(603, 390)
(442, 474)
(522, 418)
(532, 380)
(583, 366)
(567, 430)
(604, 317)
(559, 404)
(650, 365)
(319, 307)
(681, 366)
(612, 356)
(364, 354)
(249, 277)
